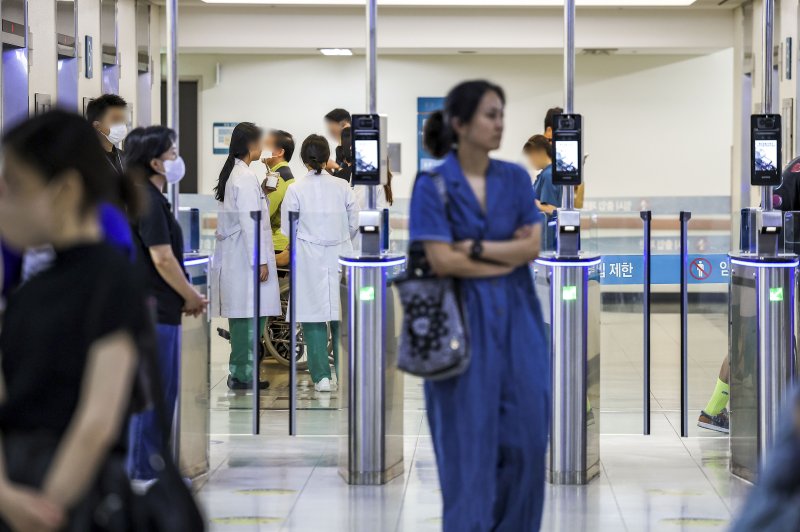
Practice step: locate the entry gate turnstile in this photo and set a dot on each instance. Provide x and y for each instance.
(569, 291)
(370, 383)
(762, 354)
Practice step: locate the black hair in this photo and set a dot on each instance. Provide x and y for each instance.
(142, 145)
(462, 103)
(58, 141)
(284, 141)
(538, 143)
(244, 134)
(315, 152)
(548, 118)
(96, 108)
(339, 115)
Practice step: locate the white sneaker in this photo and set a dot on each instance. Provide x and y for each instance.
(323, 386)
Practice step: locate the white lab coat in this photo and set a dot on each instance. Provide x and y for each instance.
(232, 265)
(328, 221)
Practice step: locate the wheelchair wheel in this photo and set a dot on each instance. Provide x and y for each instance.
(277, 338)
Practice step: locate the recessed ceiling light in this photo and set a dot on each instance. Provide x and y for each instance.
(336, 51)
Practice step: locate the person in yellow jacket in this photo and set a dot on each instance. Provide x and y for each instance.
(280, 148)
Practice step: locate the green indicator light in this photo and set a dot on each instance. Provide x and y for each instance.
(367, 293)
(569, 293)
(776, 294)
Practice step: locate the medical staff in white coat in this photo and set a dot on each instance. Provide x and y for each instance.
(239, 193)
(328, 221)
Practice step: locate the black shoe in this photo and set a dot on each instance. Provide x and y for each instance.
(236, 384)
(224, 333)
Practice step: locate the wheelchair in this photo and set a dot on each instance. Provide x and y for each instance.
(276, 338)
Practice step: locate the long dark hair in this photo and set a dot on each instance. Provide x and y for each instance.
(315, 152)
(58, 141)
(244, 134)
(142, 145)
(462, 102)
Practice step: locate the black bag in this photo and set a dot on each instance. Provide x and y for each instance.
(168, 505)
(434, 342)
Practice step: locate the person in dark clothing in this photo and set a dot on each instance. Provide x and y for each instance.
(68, 373)
(338, 123)
(108, 115)
(152, 159)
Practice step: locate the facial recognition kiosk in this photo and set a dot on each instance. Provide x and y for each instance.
(761, 315)
(568, 285)
(372, 451)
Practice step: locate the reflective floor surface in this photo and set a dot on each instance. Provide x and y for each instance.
(660, 482)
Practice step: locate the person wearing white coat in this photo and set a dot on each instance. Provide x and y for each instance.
(328, 221)
(239, 191)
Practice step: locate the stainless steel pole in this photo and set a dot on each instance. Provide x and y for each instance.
(372, 81)
(569, 80)
(256, 340)
(294, 216)
(769, 21)
(172, 89)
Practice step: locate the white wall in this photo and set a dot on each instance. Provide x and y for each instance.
(43, 60)
(43, 69)
(655, 125)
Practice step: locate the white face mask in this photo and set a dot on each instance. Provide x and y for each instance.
(117, 133)
(174, 170)
(266, 154)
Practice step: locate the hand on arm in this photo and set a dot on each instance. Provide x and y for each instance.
(447, 261)
(168, 268)
(95, 426)
(23, 508)
(521, 250)
(545, 207)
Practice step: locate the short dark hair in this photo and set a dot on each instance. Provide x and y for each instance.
(57, 141)
(315, 152)
(96, 109)
(339, 115)
(548, 118)
(538, 143)
(284, 141)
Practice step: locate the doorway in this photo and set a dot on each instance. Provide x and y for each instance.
(188, 124)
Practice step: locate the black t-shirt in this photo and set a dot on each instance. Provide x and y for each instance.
(52, 321)
(157, 227)
(115, 158)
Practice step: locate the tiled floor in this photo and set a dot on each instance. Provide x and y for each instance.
(647, 483)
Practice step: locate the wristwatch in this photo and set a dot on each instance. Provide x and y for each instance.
(476, 251)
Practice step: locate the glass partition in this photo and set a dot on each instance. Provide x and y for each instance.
(618, 238)
(228, 238)
(707, 322)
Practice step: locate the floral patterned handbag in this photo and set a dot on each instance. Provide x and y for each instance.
(433, 339)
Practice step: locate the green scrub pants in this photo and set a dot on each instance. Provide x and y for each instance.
(316, 338)
(241, 361)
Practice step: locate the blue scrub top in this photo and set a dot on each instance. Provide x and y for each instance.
(545, 190)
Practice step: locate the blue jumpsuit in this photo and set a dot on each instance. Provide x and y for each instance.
(489, 425)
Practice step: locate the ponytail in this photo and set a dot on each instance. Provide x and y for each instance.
(315, 153)
(244, 134)
(462, 103)
(224, 174)
(437, 136)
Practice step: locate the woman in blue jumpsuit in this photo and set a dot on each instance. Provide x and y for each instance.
(490, 424)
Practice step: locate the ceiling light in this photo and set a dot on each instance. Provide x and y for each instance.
(336, 51)
(464, 3)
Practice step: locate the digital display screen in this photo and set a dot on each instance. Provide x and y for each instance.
(766, 159)
(567, 156)
(366, 156)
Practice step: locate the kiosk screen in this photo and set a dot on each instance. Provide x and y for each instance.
(567, 160)
(366, 156)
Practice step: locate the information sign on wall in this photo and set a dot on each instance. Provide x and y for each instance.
(222, 137)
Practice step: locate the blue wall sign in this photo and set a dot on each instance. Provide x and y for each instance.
(665, 269)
